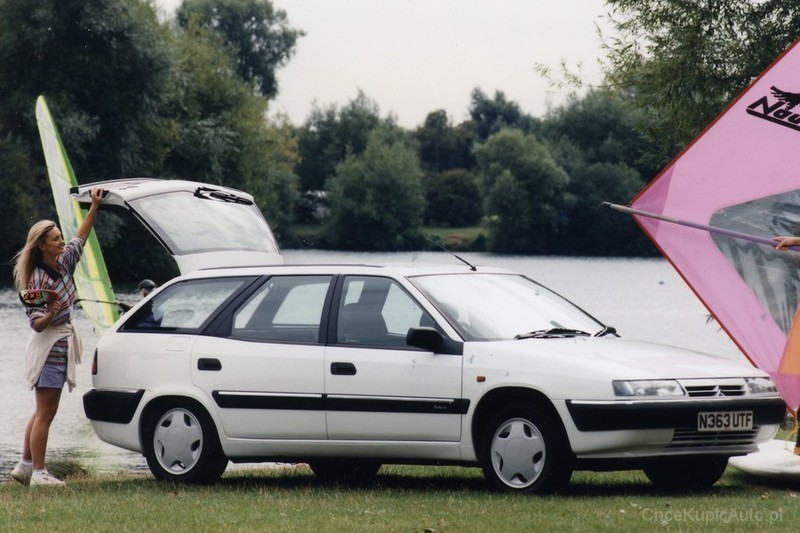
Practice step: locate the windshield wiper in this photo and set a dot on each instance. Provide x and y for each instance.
(552, 333)
(207, 193)
(607, 330)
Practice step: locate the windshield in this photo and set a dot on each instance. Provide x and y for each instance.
(190, 224)
(501, 306)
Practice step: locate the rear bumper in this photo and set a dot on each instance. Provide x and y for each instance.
(666, 414)
(116, 406)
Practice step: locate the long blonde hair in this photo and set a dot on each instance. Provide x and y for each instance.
(25, 260)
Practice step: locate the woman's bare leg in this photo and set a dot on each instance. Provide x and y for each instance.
(38, 429)
(26, 444)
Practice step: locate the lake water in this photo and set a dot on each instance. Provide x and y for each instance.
(643, 298)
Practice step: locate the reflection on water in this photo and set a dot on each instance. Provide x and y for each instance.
(643, 298)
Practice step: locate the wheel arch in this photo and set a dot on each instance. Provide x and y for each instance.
(155, 405)
(497, 398)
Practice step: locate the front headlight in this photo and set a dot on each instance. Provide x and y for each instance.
(761, 386)
(648, 387)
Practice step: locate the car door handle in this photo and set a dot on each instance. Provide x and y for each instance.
(205, 363)
(343, 369)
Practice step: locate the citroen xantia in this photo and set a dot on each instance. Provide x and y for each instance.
(348, 367)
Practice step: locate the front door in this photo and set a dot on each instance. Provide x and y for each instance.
(377, 387)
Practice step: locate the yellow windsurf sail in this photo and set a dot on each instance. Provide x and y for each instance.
(91, 276)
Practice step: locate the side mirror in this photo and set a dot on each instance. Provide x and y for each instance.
(428, 339)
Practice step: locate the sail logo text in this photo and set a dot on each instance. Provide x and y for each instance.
(780, 112)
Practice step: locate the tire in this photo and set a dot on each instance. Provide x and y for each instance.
(181, 444)
(686, 472)
(525, 450)
(348, 472)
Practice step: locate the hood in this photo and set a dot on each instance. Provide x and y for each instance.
(616, 358)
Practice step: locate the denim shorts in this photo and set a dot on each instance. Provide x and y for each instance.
(52, 376)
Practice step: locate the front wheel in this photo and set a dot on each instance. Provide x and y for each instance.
(181, 444)
(686, 472)
(525, 450)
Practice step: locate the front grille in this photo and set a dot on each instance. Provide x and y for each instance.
(702, 388)
(691, 438)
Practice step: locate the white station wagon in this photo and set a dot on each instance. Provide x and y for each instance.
(348, 367)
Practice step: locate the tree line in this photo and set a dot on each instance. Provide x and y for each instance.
(134, 95)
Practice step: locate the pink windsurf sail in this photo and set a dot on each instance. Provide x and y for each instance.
(714, 210)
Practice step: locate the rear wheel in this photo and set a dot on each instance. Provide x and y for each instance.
(525, 450)
(686, 472)
(181, 444)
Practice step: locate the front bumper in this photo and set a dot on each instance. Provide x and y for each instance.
(666, 414)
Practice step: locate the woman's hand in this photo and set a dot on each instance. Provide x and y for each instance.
(784, 242)
(53, 303)
(53, 307)
(97, 196)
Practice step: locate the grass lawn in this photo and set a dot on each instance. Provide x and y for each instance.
(408, 498)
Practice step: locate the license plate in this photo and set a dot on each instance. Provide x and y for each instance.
(725, 421)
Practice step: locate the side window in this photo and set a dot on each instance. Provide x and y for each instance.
(185, 306)
(377, 311)
(284, 309)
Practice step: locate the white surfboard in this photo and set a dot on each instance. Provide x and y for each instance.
(774, 459)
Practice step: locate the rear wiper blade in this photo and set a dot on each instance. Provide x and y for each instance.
(208, 193)
(607, 330)
(551, 333)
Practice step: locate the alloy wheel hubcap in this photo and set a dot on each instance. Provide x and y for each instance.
(518, 453)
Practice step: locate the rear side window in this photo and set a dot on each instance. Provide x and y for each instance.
(284, 309)
(185, 306)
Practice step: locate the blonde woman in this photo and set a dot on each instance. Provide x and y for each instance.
(47, 263)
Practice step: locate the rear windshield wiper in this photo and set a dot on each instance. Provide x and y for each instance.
(208, 193)
(552, 333)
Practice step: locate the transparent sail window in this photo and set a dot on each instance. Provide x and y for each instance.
(773, 276)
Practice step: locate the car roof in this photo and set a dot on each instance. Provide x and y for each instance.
(366, 269)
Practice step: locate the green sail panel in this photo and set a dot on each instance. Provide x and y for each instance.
(95, 293)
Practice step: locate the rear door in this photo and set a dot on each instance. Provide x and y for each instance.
(265, 374)
(200, 225)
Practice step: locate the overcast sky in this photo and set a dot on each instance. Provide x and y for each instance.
(416, 56)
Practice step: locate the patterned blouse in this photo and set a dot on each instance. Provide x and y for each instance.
(61, 281)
